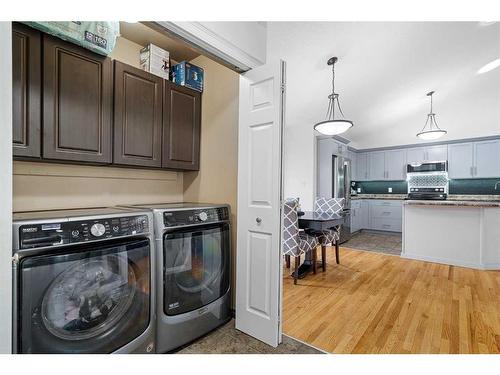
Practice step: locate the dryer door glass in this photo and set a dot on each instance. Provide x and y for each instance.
(196, 267)
(90, 301)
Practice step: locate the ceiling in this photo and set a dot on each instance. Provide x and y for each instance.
(383, 74)
(144, 33)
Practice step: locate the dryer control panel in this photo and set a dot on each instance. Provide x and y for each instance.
(177, 218)
(70, 232)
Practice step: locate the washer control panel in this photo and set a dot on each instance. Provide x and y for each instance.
(195, 216)
(66, 232)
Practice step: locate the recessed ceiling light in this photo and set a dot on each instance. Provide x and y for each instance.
(490, 66)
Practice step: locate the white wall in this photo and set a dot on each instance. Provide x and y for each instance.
(5, 186)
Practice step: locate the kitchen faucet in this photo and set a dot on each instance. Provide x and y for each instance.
(496, 185)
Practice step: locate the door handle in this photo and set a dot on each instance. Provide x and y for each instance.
(258, 220)
(472, 171)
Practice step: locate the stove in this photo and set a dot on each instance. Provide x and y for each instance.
(428, 181)
(427, 194)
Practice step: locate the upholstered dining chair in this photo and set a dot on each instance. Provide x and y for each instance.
(332, 235)
(295, 241)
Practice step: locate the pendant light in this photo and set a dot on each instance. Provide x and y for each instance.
(433, 131)
(331, 126)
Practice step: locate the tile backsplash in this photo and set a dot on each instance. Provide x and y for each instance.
(476, 186)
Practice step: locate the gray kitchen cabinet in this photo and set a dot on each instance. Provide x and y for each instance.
(376, 165)
(415, 155)
(355, 216)
(364, 214)
(436, 153)
(352, 157)
(359, 215)
(474, 159)
(395, 164)
(427, 153)
(362, 166)
(386, 215)
(486, 159)
(340, 149)
(461, 160)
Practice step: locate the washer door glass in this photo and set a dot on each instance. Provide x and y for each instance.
(92, 299)
(196, 265)
(89, 298)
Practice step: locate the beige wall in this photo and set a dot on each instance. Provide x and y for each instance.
(216, 182)
(44, 186)
(126, 51)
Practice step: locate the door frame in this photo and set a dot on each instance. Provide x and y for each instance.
(6, 188)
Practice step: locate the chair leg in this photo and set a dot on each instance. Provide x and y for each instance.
(296, 273)
(287, 261)
(337, 253)
(315, 259)
(323, 257)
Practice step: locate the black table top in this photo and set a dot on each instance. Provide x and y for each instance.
(320, 220)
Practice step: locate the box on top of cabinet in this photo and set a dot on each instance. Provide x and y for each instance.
(97, 36)
(156, 60)
(189, 75)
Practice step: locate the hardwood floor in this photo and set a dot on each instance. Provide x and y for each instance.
(378, 303)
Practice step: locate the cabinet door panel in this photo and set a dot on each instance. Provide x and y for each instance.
(26, 90)
(138, 117)
(77, 103)
(415, 155)
(181, 127)
(362, 167)
(395, 164)
(376, 162)
(460, 160)
(487, 159)
(437, 153)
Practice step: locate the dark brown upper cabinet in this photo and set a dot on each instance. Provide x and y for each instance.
(181, 127)
(138, 117)
(26, 90)
(77, 103)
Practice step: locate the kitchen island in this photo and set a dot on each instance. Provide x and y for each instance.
(457, 232)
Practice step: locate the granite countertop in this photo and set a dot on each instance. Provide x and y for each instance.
(379, 196)
(454, 202)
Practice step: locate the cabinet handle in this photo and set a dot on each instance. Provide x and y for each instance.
(258, 220)
(386, 225)
(472, 171)
(386, 213)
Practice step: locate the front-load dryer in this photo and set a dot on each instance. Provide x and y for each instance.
(193, 269)
(84, 281)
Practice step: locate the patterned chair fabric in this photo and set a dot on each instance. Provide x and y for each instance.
(295, 242)
(329, 205)
(332, 206)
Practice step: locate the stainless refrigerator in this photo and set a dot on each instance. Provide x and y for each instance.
(341, 188)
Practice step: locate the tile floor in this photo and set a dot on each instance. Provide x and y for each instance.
(228, 340)
(387, 243)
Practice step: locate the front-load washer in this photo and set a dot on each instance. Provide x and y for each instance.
(84, 281)
(194, 266)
